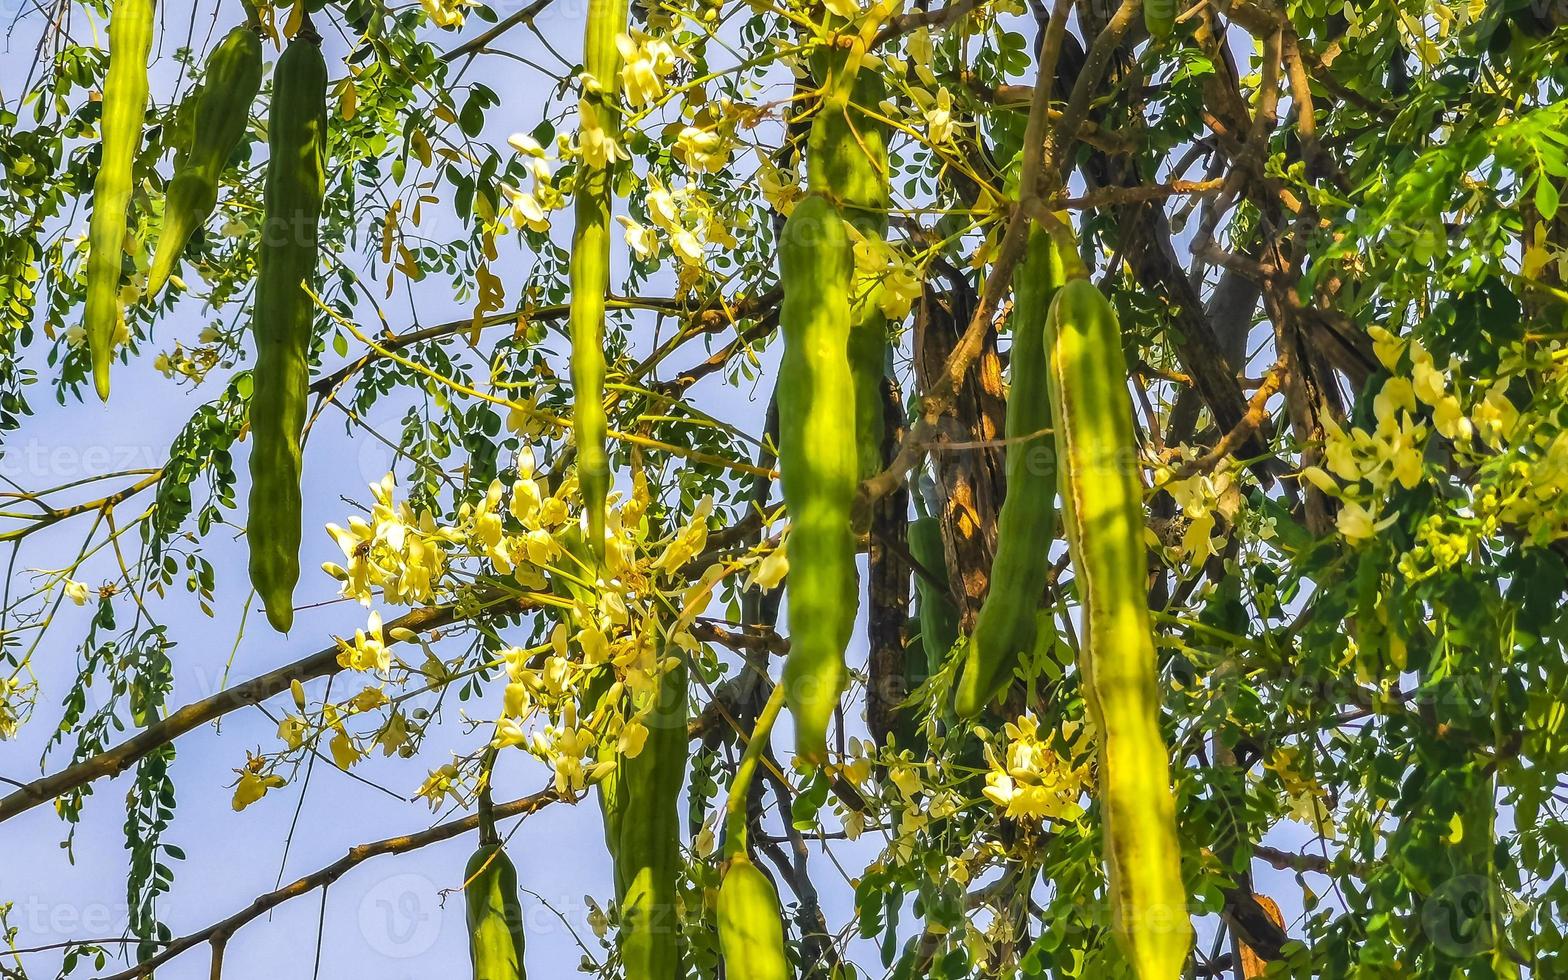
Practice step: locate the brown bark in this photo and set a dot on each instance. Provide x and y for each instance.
(888, 589)
(969, 480)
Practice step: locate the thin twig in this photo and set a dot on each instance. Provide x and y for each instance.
(331, 873)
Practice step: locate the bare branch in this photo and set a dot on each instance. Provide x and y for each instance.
(219, 932)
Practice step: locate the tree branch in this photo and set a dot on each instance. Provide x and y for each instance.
(219, 932)
(481, 41)
(114, 761)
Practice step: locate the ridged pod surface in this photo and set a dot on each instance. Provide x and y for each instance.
(282, 318)
(847, 162)
(1103, 518)
(751, 925)
(124, 106)
(589, 269)
(641, 804)
(817, 464)
(231, 81)
(1005, 627)
(494, 915)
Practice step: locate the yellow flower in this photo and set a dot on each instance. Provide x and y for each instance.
(516, 701)
(632, 739)
(662, 209)
(368, 651)
(1430, 383)
(1357, 523)
(438, 784)
(922, 54)
(1316, 476)
(1386, 346)
(645, 63)
(76, 591)
(1496, 416)
(445, 13)
(639, 238)
(525, 145)
(686, 247)
(901, 286)
(906, 780)
(1339, 451)
(524, 210)
(508, 733)
(770, 571)
(1034, 783)
(1397, 393)
(780, 188)
(1400, 447)
(344, 752)
(252, 787)
(368, 699)
(689, 541)
(292, 731)
(703, 150)
(940, 125)
(594, 144)
(1448, 416)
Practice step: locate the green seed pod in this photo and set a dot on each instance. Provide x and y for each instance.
(589, 271)
(817, 463)
(1159, 17)
(232, 79)
(1005, 628)
(124, 106)
(282, 319)
(938, 613)
(847, 163)
(495, 915)
(641, 804)
(751, 925)
(1103, 516)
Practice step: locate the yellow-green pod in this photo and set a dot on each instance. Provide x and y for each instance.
(282, 318)
(641, 803)
(1159, 17)
(1005, 627)
(230, 84)
(494, 915)
(751, 925)
(938, 613)
(846, 161)
(1102, 510)
(589, 269)
(817, 464)
(124, 106)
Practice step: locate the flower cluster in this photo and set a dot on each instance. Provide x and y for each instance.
(645, 63)
(531, 209)
(446, 13)
(684, 219)
(1034, 782)
(398, 551)
(1363, 467)
(1205, 500)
